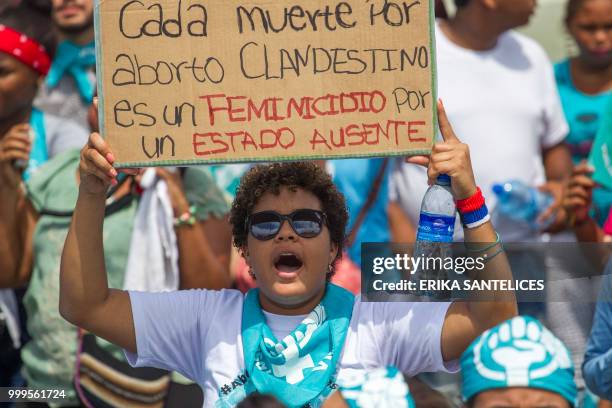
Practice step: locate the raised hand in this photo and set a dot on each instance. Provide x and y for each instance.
(555, 212)
(449, 157)
(14, 146)
(578, 194)
(96, 167)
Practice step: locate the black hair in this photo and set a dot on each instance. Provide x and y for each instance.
(293, 175)
(31, 19)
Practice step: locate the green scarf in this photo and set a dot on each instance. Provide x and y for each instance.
(299, 369)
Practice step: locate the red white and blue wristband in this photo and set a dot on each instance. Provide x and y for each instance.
(473, 210)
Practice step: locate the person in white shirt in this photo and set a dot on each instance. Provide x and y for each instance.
(297, 334)
(501, 93)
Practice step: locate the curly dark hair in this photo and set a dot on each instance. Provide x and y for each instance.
(304, 175)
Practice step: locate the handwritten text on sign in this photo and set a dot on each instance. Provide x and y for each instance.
(187, 81)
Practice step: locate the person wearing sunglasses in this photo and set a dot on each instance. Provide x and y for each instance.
(296, 334)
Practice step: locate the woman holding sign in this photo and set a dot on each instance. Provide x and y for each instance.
(57, 353)
(297, 334)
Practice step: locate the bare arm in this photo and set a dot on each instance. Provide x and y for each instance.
(204, 248)
(577, 201)
(17, 217)
(589, 231)
(402, 229)
(85, 299)
(17, 222)
(558, 167)
(557, 163)
(203, 266)
(466, 320)
(28, 219)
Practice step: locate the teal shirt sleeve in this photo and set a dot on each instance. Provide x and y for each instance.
(597, 366)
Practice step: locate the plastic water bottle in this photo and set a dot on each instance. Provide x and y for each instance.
(435, 233)
(522, 203)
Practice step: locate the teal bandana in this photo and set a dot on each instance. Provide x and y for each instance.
(520, 352)
(381, 387)
(299, 369)
(74, 60)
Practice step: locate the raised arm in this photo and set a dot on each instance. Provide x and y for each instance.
(17, 217)
(558, 166)
(402, 229)
(466, 320)
(577, 201)
(85, 299)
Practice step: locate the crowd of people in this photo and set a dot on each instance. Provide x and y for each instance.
(238, 285)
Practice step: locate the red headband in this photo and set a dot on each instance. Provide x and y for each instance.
(24, 49)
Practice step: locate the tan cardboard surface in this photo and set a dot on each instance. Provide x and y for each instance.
(195, 81)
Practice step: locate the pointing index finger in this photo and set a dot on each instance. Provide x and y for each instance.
(448, 134)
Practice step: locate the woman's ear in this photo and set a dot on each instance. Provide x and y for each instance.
(245, 254)
(333, 252)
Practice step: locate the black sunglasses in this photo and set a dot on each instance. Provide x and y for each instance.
(305, 222)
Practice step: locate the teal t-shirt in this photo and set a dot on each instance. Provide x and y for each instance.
(49, 357)
(584, 114)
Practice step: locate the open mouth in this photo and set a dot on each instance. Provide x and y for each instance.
(288, 262)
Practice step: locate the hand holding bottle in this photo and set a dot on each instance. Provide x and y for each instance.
(449, 157)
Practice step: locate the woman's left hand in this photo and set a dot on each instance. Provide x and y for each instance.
(449, 157)
(176, 191)
(555, 211)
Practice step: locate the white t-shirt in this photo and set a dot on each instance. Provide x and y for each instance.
(63, 134)
(504, 104)
(198, 334)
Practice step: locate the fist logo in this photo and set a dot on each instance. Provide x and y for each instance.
(524, 351)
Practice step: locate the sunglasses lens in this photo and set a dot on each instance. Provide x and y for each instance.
(265, 225)
(307, 223)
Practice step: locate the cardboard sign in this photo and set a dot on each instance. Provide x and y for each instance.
(212, 81)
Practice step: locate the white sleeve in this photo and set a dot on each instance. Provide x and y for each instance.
(555, 127)
(410, 335)
(172, 328)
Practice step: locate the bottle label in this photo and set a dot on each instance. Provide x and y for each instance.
(436, 228)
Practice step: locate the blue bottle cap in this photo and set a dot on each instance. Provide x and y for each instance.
(443, 179)
(498, 189)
